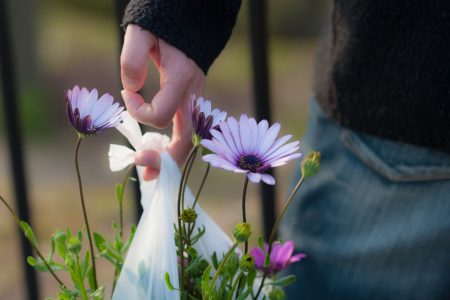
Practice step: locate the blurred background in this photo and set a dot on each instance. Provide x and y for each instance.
(60, 43)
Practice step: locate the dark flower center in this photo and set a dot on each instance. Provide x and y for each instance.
(250, 162)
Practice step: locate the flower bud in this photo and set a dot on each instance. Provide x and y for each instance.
(73, 245)
(311, 164)
(247, 263)
(242, 232)
(277, 294)
(189, 215)
(196, 139)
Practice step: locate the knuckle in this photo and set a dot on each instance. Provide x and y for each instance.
(187, 70)
(160, 122)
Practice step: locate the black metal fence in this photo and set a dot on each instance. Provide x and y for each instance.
(258, 38)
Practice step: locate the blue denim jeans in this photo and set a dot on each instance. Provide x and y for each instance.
(374, 222)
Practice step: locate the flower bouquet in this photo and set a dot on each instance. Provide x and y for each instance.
(176, 251)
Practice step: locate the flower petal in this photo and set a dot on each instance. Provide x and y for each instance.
(245, 133)
(270, 137)
(222, 144)
(253, 135)
(217, 161)
(234, 129)
(254, 177)
(267, 178)
(262, 129)
(283, 150)
(227, 135)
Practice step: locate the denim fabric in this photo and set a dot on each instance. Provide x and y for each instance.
(374, 222)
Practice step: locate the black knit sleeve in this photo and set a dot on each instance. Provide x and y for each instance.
(199, 28)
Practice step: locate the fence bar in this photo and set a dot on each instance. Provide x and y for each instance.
(10, 101)
(120, 8)
(261, 93)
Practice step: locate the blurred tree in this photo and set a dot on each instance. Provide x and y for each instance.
(297, 18)
(23, 25)
(98, 7)
(22, 18)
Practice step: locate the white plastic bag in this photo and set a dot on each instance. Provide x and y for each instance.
(153, 251)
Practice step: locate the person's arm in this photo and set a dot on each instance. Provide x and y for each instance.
(183, 38)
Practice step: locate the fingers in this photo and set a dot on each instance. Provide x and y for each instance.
(161, 110)
(181, 142)
(133, 60)
(176, 74)
(150, 174)
(151, 160)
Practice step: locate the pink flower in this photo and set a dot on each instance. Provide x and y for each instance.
(280, 257)
(90, 115)
(203, 118)
(248, 147)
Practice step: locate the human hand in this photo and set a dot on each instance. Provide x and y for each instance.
(180, 77)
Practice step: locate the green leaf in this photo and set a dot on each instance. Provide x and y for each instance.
(192, 252)
(99, 294)
(28, 231)
(168, 283)
(207, 290)
(60, 240)
(261, 244)
(214, 260)
(40, 266)
(232, 264)
(85, 264)
(288, 280)
(99, 241)
(251, 278)
(244, 294)
(52, 248)
(80, 235)
(127, 243)
(91, 278)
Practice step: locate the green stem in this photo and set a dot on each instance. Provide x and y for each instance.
(222, 263)
(35, 247)
(120, 200)
(83, 291)
(238, 280)
(180, 223)
(191, 227)
(244, 214)
(275, 229)
(124, 184)
(188, 172)
(83, 205)
(201, 185)
(244, 219)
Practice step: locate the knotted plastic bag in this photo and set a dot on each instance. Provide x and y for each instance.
(153, 251)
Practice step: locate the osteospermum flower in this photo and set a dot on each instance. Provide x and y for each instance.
(90, 115)
(203, 118)
(281, 256)
(248, 147)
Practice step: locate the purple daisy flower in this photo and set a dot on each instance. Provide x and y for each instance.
(90, 115)
(280, 257)
(251, 148)
(203, 119)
